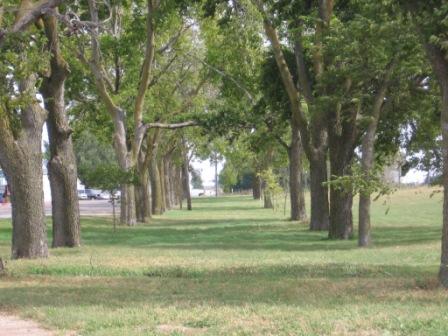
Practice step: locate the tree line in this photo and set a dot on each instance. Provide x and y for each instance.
(334, 88)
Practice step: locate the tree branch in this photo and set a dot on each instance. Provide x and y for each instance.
(304, 80)
(155, 79)
(31, 16)
(173, 39)
(172, 126)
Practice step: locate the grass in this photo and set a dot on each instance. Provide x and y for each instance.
(231, 268)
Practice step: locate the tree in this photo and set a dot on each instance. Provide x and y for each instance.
(196, 179)
(161, 76)
(109, 178)
(429, 19)
(21, 122)
(62, 164)
(91, 152)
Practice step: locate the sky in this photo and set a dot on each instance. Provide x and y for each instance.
(207, 171)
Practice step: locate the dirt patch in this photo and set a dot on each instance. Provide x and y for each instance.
(14, 326)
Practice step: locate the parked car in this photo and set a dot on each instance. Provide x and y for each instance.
(93, 194)
(82, 195)
(104, 195)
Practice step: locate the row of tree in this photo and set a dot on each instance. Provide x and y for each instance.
(314, 83)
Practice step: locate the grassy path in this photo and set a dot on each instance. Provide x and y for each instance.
(231, 268)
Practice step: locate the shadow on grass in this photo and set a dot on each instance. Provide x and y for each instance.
(236, 234)
(292, 285)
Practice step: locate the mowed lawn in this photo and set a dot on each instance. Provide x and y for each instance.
(231, 268)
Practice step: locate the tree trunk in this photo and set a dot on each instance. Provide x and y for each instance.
(62, 164)
(21, 158)
(298, 212)
(267, 201)
(127, 205)
(319, 193)
(179, 186)
(162, 184)
(342, 137)
(143, 198)
(166, 172)
(443, 273)
(29, 237)
(439, 65)
(173, 184)
(367, 159)
(364, 238)
(156, 190)
(341, 201)
(256, 187)
(186, 183)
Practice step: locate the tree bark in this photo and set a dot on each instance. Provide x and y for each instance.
(267, 200)
(162, 184)
(166, 172)
(342, 132)
(21, 158)
(186, 183)
(341, 199)
(256, 187)
(439, 65)
(29, 236)
(298, 212)
(367, 159)
(143, 197)
(62, 164)
(156, 188)
(320, 219)
(179, 186)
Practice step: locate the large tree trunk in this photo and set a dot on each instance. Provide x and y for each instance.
(29, 237)
(341, 201)
(21, 158)
(298, 212)
(319, 193)
(62, 164)
(342, 132)
(341, 217)
(439, 65)
(443, 273)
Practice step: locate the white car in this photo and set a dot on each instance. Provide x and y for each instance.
(82, 195)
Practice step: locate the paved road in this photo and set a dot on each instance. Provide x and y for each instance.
(87, 208)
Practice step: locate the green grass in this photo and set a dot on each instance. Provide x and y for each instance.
(231, 268)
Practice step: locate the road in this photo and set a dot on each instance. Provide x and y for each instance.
(87, 208)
